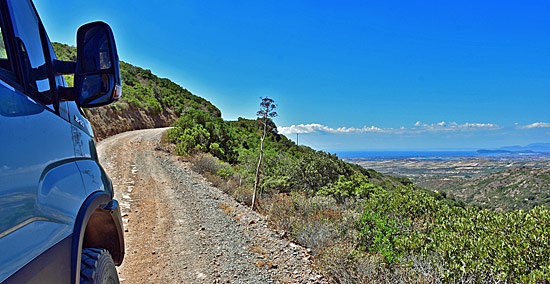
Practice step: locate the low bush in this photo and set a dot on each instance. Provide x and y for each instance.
(205, 163)
(243, 194)
(222, 176)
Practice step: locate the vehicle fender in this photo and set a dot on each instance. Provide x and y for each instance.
(94, 176)
(98, 224)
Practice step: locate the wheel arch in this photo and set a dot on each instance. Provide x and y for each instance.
(98, 225)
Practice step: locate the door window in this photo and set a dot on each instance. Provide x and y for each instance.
(6, 71)
(3, 51)
(29, 46)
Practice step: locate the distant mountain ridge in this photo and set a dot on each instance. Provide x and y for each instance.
(500, 151)
(531, 148)
(535, 147)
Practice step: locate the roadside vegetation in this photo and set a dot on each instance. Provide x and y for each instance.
(362, 226)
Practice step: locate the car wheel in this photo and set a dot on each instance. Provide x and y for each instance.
(97, 267)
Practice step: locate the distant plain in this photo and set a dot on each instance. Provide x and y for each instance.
(502, 182)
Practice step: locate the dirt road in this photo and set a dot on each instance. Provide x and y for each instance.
(179, 229)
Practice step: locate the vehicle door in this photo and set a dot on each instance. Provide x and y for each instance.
(41, 188)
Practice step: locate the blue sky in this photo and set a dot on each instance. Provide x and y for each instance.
(346, 75)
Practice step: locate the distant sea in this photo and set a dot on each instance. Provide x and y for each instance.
(412, 154)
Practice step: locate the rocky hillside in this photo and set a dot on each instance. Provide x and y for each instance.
(517, 188)
(147, 100)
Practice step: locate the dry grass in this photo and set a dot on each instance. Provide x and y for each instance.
(209, 167)
(226, 208)
(256, 249)
(206, 163)
(343, 264)
(243, 194)
(265, 263)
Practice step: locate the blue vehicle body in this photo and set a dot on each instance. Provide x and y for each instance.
(55, 198)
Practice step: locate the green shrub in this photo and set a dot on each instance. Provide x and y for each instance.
(197, 130)
(473, 243)
(356, 185)
(225, 171)
(380, 234)
(153, 105)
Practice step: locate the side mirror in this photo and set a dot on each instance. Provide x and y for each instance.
(97, 74)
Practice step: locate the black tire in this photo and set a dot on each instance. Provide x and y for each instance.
(97, 267)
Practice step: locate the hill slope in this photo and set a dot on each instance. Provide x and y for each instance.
(147, 100)
(517, 188)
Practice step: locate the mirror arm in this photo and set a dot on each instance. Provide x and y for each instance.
(64, 67)
(66, 93)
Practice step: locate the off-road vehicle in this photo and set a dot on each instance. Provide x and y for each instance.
(59, 222)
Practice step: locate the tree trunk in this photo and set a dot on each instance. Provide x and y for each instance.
(257, 181)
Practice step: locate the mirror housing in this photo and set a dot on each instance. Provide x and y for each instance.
(97, 75)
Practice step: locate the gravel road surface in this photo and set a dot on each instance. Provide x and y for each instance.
(179, 229)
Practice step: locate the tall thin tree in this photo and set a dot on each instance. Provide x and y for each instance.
(266, 112)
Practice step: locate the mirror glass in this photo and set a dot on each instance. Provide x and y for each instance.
(95, 50)
(94, 89)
